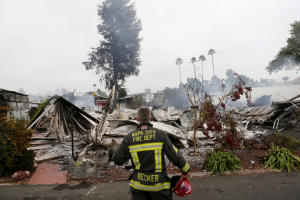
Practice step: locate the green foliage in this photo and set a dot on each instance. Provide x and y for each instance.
(289, 56)
(122, 92)
(280, 158)
(296, 114)
(40, 109)
(118, 54)
(101, 93)
(220, 162)
(14, 155)
(32, 112)
(281, 140)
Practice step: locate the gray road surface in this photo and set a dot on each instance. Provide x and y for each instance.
(273, 186)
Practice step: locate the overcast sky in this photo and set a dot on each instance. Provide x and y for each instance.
(43, 42)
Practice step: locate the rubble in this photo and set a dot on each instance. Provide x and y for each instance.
(115, 123)
(172, 131)
(278, 115)
(199, 135)
(96, 155)
(164, 115)
(256, 115)
(122, 130)
(187, 119)
(115, 126)
(81, 169)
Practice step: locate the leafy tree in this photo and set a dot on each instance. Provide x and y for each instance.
(288, 57)
(212, 52)
(118, 55)
(179, 62)
(101, 93)
(122, 92)
(285, 78)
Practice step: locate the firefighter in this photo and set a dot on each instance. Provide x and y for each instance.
(146, 147)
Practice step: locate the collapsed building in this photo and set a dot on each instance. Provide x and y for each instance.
(279, 116)
(14, 105)
(61, 118)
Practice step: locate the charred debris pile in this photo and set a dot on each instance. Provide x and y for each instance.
(66, 133)
(280, 116)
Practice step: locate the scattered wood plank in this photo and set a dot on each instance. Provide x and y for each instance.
(40, 147)
(40, 142)
(47, 157)
(43, 138)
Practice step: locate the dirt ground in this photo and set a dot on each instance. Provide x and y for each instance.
(246, 156)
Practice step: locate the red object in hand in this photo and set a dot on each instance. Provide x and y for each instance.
(183, 187)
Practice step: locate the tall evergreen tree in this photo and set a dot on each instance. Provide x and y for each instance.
(118, 54)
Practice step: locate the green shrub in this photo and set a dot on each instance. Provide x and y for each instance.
(220, 162)
(40, 109)
(281, 140)
(14, 141)
(280, 158)
(32, 112)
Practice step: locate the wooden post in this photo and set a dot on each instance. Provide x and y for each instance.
(72, 135)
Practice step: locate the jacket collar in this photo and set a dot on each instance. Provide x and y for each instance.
(145, 123)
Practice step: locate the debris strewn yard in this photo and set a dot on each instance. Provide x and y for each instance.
(63, 138)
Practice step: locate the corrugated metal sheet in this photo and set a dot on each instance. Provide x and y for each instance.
(258, 114)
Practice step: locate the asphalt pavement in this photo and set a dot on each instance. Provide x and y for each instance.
(273, 186)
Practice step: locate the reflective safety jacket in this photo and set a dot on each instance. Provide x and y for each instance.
(146, 148)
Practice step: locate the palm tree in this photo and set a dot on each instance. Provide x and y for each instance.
(193, 60)
(179, 61)
(212, 52)
(202, 58)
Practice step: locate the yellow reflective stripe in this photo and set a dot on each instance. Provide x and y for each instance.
(158, 165)
(176, 150)
(147, 144)
(186, 167)
(136, 161)
(146, 147)
(156, 187)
